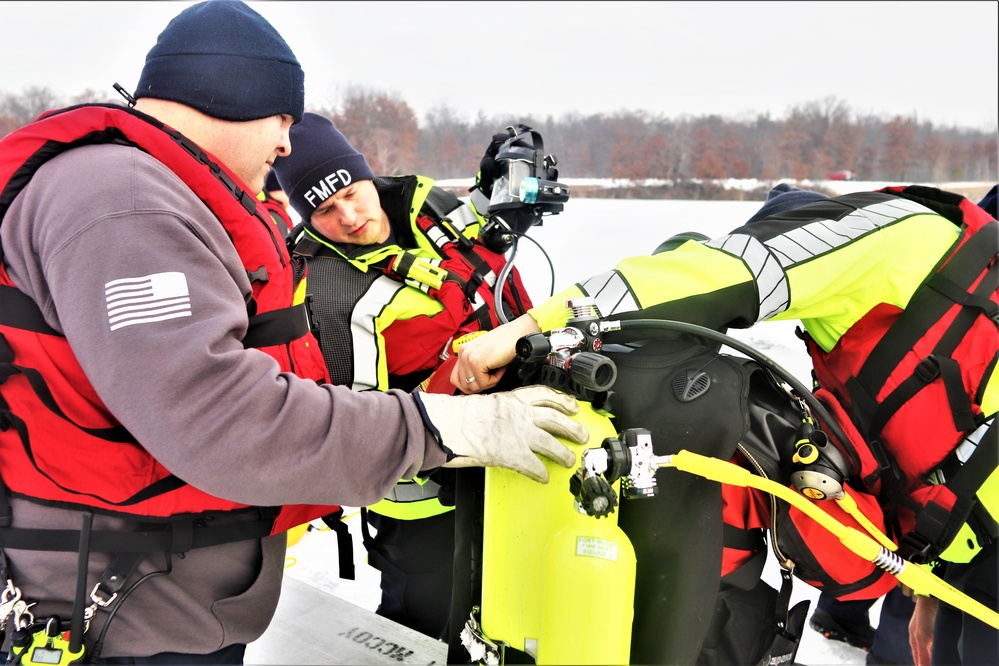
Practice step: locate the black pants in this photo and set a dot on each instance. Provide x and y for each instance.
(415, 558)
(891, 637)
(959, 638)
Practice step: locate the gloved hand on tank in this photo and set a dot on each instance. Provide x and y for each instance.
(505, 429)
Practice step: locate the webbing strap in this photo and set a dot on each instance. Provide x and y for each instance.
(277, 327)
(969, 477)
(926, 372)
(177, 536)
(344, 542)
(7, 370)
(936, 525)
(122, 566)
(18, 310)
(441, 202)
(873, 417)
(928, 305)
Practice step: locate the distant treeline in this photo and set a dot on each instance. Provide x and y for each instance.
(814, 140)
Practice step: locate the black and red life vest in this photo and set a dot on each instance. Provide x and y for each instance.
(59, 444)
(911, 382)
(904, 387)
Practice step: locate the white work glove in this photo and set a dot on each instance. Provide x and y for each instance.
(505, 429)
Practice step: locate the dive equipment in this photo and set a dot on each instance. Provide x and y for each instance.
(561, 575)
(526, 190)
(630, 456)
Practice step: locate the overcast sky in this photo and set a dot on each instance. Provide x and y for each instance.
(938, 61)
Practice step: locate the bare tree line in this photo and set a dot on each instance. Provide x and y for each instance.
(814, 139)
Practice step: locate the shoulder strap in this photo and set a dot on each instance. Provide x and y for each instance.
(963, 472)
(18, 310)
(441, 202)
(950, 285)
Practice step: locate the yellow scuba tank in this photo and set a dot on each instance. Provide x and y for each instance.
(556, 583)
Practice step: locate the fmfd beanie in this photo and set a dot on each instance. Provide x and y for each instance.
(321, 162)
(784, 197)
(225, 60)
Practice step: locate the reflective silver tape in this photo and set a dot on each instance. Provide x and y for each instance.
(771, 280)
(967, 446)
(437, 236)
(769, 260)
(362, 330)
(462, 216)
(410, 491)
(610, 293)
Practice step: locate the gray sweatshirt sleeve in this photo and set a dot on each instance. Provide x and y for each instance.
(221, 417)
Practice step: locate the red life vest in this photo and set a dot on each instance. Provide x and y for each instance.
(279, 214)
(904, 387)
(910, 381)
(58, 442)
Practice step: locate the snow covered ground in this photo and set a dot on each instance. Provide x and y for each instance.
(589, 237)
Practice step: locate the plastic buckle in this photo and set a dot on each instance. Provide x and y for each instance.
(914, 547)
(928, 369)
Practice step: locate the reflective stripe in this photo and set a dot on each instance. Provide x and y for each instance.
(771, 281)
(479, 201)
(410, 491)
(970, 443)
(610, 293)
(438, 237)
(821, 236)
(768, 260)
(364, 338)
(462, 216)
(411, 500)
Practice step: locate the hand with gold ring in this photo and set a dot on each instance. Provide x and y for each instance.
(483, 360)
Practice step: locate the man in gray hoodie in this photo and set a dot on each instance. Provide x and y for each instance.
(158, 391)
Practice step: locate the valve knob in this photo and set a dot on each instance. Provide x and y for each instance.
(596, 497)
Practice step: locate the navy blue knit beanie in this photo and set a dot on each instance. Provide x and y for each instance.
(225, 60)
(321, 162)
(271, 183)
(782, 198)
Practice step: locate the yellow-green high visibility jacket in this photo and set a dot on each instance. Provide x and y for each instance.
(386, 313)
(827, 264)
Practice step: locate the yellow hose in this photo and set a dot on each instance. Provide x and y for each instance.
(849, 504)
(921, 581)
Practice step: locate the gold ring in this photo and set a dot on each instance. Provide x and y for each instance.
(469, 380)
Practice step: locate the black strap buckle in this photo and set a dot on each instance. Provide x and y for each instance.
(915, 547)
(928, 369)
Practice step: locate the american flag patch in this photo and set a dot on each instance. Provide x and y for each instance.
(146, 299)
